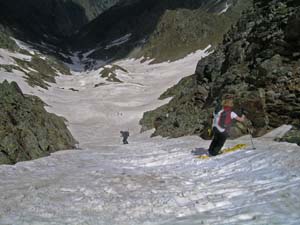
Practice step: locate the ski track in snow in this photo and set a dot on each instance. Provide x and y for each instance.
(150, 181)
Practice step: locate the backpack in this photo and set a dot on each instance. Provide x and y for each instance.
(125, 134)
(225, 120)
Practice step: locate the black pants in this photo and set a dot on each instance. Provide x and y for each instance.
(125, 142)
(217, 142)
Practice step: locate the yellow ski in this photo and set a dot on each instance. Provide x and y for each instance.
(204, 155)
(234, 148)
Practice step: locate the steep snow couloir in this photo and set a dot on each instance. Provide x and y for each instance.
(149, 181)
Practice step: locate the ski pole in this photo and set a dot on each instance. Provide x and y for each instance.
(249, 132)
(251, 138)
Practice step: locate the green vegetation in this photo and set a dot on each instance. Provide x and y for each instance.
(39, 71)
(182, 31)
(58, 65)
(6, 42)
(160, 29)
(9, 68)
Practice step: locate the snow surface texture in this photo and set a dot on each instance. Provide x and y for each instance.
(150, 181)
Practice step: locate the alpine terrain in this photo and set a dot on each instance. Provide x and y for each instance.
(76, 76)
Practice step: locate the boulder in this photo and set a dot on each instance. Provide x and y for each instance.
(27, 130)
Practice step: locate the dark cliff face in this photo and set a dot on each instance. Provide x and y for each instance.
(93, 8)
(258, 62)
(42, 18)
(49, 20)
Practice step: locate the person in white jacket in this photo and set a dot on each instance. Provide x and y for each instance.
(221, 126)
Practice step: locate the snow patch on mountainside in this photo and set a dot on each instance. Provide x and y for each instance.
(25, 46)
(6, 57)
(119, 41)
(227, 6)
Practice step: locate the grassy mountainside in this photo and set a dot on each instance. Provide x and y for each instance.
(258, 62)
(5, 41)
(160, 29)
(182, 31)
(39, 70)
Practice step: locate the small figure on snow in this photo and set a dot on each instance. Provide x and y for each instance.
(221, 125)
(125, 135)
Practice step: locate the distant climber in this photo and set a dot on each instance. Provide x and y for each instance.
(125, 135)
(221, 125)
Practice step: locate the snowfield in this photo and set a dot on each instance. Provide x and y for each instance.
(150, 181)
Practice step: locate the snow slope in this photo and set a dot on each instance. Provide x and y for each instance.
(149, 181)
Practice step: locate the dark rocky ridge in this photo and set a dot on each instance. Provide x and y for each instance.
(49, 20)
(27, 130)
(258, 61)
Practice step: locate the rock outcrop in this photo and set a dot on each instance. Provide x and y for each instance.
(27, 130)
(258, 62)
(293, 136)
